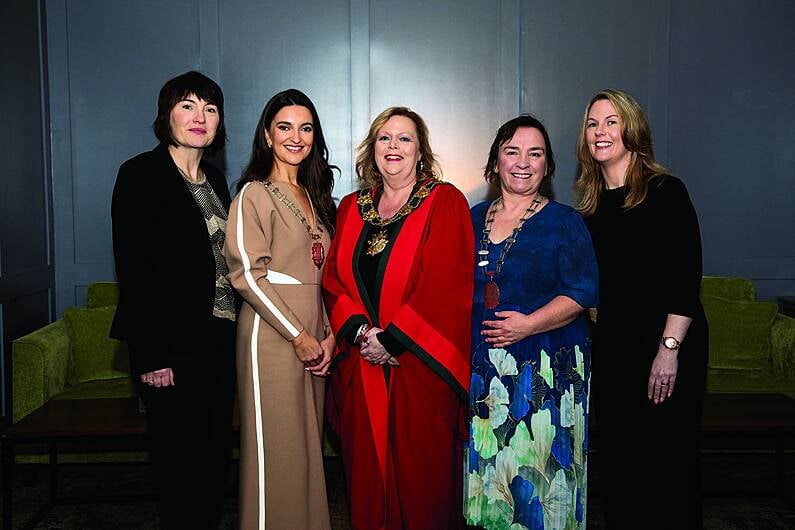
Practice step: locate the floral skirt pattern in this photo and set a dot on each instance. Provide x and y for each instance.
(526, 460)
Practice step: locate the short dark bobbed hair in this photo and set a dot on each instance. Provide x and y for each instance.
(179, 88)
(505, 133)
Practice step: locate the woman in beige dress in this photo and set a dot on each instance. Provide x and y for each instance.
(280, 228)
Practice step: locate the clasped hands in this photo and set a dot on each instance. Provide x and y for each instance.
(315, 354)
(373, 351)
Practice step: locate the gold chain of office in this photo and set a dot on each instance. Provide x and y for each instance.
(370, 214)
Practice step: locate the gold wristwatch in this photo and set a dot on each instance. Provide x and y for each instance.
(670, 343)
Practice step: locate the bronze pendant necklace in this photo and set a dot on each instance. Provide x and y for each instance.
(318, 251)
(491, 291)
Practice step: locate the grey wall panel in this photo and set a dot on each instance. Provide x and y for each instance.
(446, 61)
(267, 47)
(572, 49)
(107, 63)
(23, 194)
(466, 66)
(731, 89)
(111, 109)
(26, 276)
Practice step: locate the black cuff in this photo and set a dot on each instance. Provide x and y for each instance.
(390, 343)
(350, 327)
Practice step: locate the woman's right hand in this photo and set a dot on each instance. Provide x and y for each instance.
(158, 378)
(307, 349)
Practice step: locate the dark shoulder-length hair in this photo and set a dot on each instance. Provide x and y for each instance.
(179, 88)
(427, 166)
(315, 173)
(636, 135)
(504, 134)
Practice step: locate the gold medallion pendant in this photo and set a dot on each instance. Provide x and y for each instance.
(377, 243)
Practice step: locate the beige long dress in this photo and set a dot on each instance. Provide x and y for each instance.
(269, 253)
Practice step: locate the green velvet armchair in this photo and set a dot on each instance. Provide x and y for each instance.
(71, 358)
(752, 345)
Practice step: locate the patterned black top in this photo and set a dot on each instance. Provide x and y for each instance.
(215, 215)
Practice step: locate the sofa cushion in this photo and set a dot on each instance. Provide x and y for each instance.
(94, 354)
(102, 294)
(783, 346)
(739, 333)
(741, 289)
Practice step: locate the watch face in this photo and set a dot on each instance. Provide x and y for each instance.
(671, 343)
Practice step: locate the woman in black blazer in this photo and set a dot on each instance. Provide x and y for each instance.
(176, 308)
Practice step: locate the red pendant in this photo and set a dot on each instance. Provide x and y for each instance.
(491, 294)
(318, 254)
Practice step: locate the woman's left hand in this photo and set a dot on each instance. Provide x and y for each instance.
(513, 327)
(327, 345)
(663, 375)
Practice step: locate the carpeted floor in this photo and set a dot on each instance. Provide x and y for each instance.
(735, 487)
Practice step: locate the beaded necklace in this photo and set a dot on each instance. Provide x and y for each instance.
(491, 291)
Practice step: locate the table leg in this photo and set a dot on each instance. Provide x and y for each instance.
(780, 467)
(8, 481)
(53, 472)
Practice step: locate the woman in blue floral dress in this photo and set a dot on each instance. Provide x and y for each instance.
(535, 274)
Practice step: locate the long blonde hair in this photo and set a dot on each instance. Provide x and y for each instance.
(367, 171)
(636, 135)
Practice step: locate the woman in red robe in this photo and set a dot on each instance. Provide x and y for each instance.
(398, 289)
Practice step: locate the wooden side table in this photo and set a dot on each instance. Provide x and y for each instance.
(59, 420)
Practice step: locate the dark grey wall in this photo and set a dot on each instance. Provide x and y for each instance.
(731, 133)
(714, 77)
(26, 276)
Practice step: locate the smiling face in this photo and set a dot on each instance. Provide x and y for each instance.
(522, 162)
(604, 139)
(397, 150)
(291, 135)
(193, 122)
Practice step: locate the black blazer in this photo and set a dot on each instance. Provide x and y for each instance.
(164, 261)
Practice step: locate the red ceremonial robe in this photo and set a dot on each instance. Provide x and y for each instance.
(402, 440)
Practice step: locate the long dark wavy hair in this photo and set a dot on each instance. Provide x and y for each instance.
(315, 173)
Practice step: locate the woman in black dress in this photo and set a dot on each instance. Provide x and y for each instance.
(650, 344)
(176, 308)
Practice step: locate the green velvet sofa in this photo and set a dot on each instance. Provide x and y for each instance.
(752, 349)
(72, 358)
(752, 345)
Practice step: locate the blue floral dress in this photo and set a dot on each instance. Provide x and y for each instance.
(526, 463)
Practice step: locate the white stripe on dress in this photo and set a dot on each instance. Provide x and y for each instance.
(250, 278)
(258, 423)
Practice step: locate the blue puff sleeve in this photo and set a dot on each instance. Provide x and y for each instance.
(579, 275)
